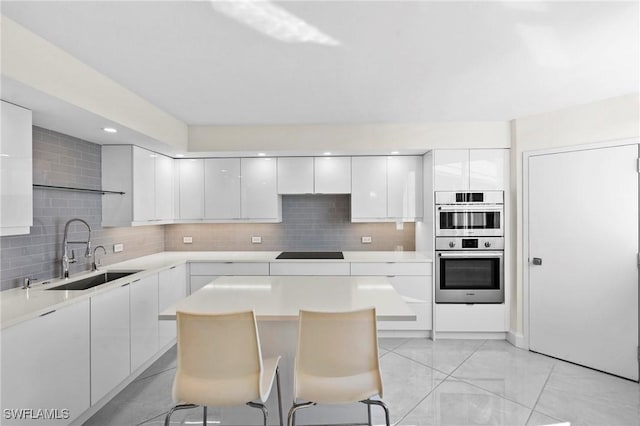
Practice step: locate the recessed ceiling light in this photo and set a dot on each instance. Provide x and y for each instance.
(394, 152)
(326, 153)
(180, 155)
(110, 130)
(261, 154)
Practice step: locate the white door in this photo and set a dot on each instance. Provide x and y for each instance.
(368, 188)
(295, 175)
(222, 188)
(583, 225)
(259, 189)
(191, 187)
(332, 175)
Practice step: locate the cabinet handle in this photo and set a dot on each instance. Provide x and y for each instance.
(124, 285)
(173, 267)
(47, 313)
(391, 276)
(135, 281)
(227, 263)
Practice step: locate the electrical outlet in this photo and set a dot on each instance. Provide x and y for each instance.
(117, 248)
(366, 240)
(256, 240)
(187, 240)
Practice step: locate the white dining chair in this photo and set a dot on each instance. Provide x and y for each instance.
(220, 364)
(337, 361)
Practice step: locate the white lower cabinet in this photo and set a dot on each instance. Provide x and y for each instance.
(45, 368)
(110, 341)
(471, 318)
(172, 287)
(310, 268)
(202, 273)
(144, 320)
(412, 280)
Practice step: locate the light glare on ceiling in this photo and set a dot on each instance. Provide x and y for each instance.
(110, 130)
(274, 21)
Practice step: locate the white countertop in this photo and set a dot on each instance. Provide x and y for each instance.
(281, 297)
(18, 305)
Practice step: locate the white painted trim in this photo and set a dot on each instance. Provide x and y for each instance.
(517, 340)
(525, 213)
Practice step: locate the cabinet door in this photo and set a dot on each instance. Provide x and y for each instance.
(191, 177)
(222, 188)
(295, 175)
(404, 188)
(144, 184)
(260, 198)
(144, 320)
(110, 341)
(16, 200)
(451, 169)
(164, 188)
(45, 364)
(369, 188)
(332, 175)
(488, 169)
(172, 287)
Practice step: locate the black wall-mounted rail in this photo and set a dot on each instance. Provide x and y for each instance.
(69, 188)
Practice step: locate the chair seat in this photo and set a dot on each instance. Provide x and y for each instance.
(337, 390)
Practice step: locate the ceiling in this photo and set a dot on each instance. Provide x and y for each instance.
(352, 61)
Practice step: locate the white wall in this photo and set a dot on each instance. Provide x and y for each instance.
(609, 119)
(353, 138)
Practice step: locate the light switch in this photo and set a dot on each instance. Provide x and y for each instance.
(256, 240)
(366, 240)
(187, 240)
(117, 248)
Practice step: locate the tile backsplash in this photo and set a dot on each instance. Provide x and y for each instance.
(67, 161)
(309, 222)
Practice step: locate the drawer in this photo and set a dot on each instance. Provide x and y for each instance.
(478, 317)
(390, 268)
(229, 268)
(422, 322)
(414, 287)
(310, 268)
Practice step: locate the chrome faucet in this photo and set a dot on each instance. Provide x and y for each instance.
(94, 267)
(66, 260)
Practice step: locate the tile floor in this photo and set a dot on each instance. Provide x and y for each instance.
(447, 382)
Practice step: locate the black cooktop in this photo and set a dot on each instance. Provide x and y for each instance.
(310, 255)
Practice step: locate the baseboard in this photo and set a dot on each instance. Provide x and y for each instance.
(470, 335)
(516, 339)
(404, 333)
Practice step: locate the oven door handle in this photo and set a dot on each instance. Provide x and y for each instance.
(471, 254)
(467, 208)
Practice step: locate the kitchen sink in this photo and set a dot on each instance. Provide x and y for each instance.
(90, 282)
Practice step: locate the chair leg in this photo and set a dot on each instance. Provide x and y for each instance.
(204, 415)
(262, 407)
(167, 418)
(370, 402)
(291, 420)
(369, 415)
(279, 395)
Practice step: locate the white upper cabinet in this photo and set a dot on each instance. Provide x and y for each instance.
(164, 178)
(259, 192)
(222, 188)
(314, 175)
(144, 184)
(386, 188)
(295, 175)
(16, 199)
(404, 188)
(332, 175)
(369, 188)
(191, 184)
(475, 169)
(488, 169)
(145, 177)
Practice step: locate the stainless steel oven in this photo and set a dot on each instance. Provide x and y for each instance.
(469, 270)
(460, 214)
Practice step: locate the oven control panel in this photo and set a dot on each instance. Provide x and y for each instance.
(462, 243)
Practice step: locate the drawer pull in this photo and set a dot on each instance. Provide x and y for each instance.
(47, 313)
(173, 267)
(391, 276)
(135, 281)
(124, 285)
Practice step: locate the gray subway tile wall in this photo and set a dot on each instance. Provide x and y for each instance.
(67, 161)
(309, 222)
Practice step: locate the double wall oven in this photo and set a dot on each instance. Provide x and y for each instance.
(469, 247)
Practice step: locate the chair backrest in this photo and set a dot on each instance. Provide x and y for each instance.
(217, 349)
(334, 344)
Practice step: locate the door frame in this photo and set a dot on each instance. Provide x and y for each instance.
(526, 155)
